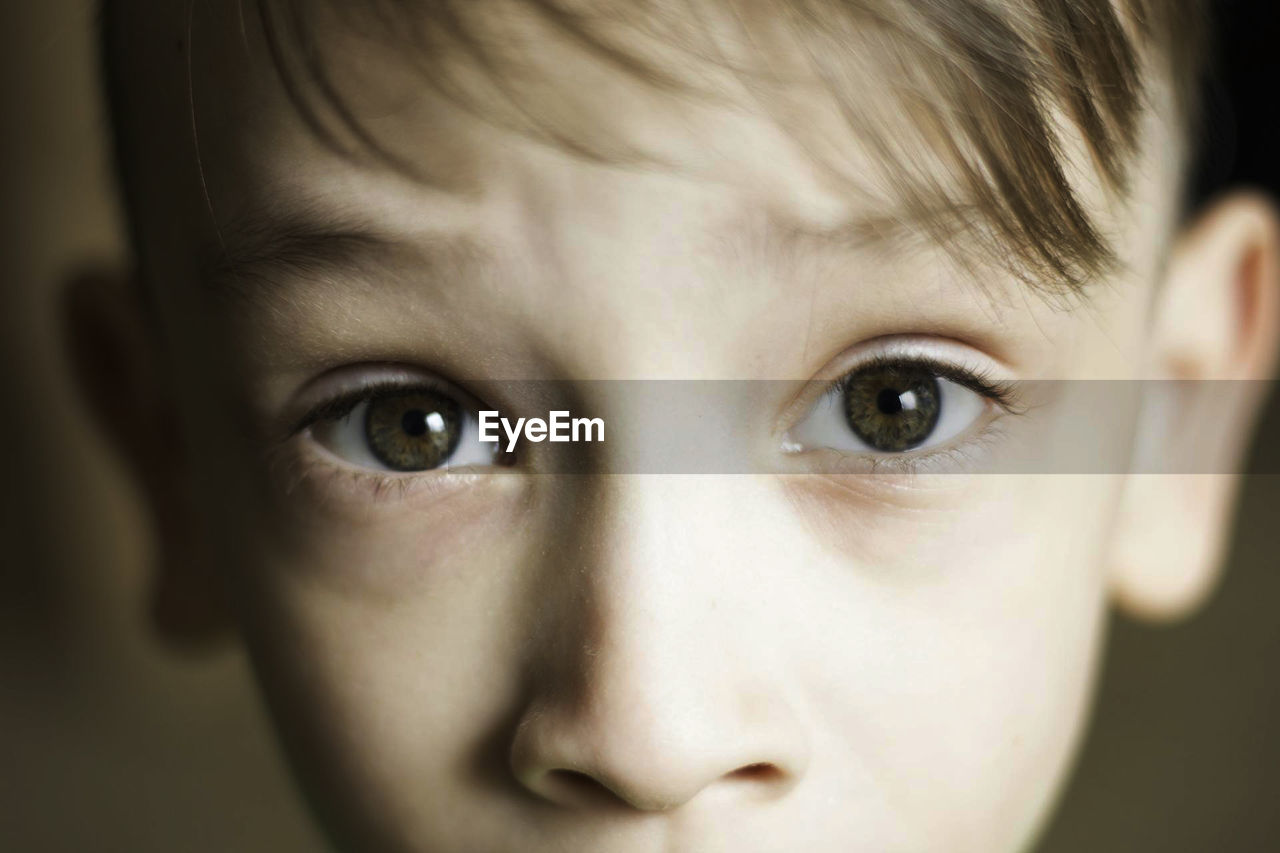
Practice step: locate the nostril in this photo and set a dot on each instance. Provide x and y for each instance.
(761, 771)
(573, 787)
(583, 790)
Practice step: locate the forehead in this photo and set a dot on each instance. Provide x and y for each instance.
(316, 105)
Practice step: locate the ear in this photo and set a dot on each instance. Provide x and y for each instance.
(1215, 325)
(115, 354)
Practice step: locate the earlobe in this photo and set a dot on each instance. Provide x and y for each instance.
(114, 358)
(1213, 345)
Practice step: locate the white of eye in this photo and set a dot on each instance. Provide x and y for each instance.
(825, 426)
(346, 438)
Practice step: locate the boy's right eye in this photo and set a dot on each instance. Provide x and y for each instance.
(403, 429)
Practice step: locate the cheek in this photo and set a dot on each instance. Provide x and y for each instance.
(385, 641)
(941, 641)
(968, 622)
(381, 621)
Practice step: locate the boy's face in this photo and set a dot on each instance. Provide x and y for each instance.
(494, 658)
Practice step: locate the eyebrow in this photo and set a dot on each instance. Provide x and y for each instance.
(961, 232)
(279, 247)
(276, 248)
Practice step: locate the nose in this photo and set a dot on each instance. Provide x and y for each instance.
(655, 690)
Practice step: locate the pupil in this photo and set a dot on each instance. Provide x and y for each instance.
(414, 422)
(894, 408)
(889, 401)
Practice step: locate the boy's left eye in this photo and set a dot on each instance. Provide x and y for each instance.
(889, 408)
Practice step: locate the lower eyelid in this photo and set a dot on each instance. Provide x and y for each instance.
(956, 457)
(302, 469)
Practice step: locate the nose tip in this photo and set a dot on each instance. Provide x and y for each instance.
(648, 774)
(643, 691)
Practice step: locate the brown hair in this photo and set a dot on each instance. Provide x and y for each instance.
(982, 83)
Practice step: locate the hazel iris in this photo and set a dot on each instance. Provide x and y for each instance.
(893, 408)
(413, 432)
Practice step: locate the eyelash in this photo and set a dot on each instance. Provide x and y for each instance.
(977, 380)
(378, 486)
(937, 460)
(296, 470)
(383, 484)
(342, 405)
(1002, 394)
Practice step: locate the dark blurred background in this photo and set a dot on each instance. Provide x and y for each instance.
(109, 742)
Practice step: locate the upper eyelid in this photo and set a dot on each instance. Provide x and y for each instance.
(1001, 392)
(953, 354)
(347, 385)
(921, 346)
(341, 405)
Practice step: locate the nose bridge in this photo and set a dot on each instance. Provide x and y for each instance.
(660, 688)
(661, 597)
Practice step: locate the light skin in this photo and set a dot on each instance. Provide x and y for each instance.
(493, 659)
